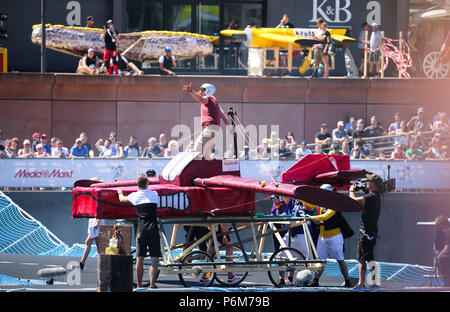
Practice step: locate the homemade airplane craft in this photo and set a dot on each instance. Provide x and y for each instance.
(139, 46)
(254, 37)
(193, 187)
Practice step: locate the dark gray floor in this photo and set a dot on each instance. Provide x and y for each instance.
(25, 268)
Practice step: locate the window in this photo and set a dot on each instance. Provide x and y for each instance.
(144, 15)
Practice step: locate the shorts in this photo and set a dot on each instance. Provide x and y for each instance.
(318, 54)
(365, 248)
(148, 240)
(374, 57)
(298, 242)
(205, 141)
(332, 247)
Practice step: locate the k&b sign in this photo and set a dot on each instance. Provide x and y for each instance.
(332, 11)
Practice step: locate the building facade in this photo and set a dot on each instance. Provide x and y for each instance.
(198, 16)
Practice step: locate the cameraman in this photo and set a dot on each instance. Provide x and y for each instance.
(368, 230)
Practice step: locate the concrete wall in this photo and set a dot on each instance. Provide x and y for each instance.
(64, 105)
(401, 239)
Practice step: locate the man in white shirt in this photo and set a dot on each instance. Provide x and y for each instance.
(302, 151)
(60, 150)
(317, 48)
(361, 44)
(147, 236)
(376, 45)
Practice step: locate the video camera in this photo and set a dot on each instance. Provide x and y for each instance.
(385, 187)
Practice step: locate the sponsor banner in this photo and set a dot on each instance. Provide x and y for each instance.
(64, 172)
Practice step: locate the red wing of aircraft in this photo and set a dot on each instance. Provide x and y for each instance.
(192, 187)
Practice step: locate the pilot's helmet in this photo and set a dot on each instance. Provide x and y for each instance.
(327, 187)
(209, 89)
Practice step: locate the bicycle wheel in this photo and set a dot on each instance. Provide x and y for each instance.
(198, 277)
(236, 257)
(432, 68)
(284, 254)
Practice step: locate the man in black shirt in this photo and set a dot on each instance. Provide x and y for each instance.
(443, 258)
(284, 23)
(323, 137)
(374, 130)
(111, 38)
(368, 231)
(166, 62)
(90, 22)
(89, 64)
(127, 68)
(147, 236)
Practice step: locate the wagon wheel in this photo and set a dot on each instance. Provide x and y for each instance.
(200, 278)
(432, 68)
(236, 257)
(284, 254)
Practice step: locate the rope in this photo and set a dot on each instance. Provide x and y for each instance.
(239, 205)
(250, 143)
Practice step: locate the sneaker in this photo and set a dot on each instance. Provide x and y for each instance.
(314, 283)
(81, 265)
(233, 280)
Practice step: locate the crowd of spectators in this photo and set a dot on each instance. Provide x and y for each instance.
(413, 139)
(39, 146)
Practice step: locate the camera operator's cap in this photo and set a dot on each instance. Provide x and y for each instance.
(89, 18)
(109, 22)
(374, 178)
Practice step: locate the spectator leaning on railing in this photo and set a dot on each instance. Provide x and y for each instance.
(79, 150)
(133, 149)
(340, 134)
(60, 150)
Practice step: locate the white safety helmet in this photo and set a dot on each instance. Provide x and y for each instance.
(327, 187)
(209, 89)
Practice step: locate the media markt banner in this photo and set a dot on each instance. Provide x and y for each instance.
(64, 172)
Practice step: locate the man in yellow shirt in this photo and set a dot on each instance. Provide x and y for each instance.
(331, 241)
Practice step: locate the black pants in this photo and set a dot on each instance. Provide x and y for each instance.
(197, 232)
(444, 268)
(276, 243)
